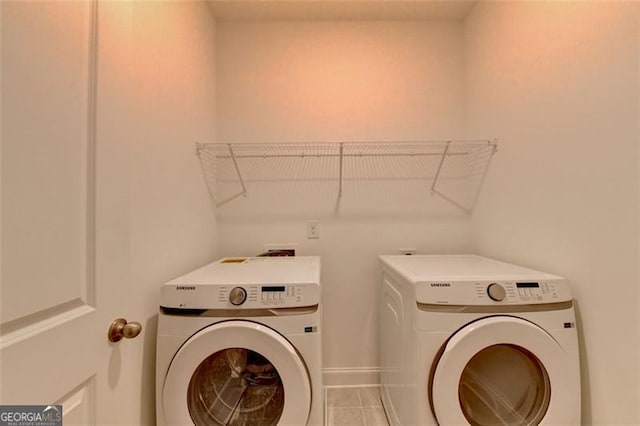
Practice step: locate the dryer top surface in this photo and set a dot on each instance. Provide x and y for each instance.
(469, 280)
(429, 268)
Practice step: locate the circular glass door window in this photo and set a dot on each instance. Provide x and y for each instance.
(235, 387)
(504, 385)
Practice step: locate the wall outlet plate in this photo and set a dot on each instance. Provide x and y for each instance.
(313, 229)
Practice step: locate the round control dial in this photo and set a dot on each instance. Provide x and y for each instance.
(496, 292)
(237, 296)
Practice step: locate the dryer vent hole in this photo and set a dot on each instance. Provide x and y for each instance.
(235, 386)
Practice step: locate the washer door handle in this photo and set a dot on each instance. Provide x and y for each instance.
(120, 328)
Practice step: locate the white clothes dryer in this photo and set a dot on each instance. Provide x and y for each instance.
(239, 343)
(470, 340)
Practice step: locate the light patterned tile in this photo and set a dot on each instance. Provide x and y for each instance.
(339, 416)
(370, 396)
(343, 397)
(374, 416)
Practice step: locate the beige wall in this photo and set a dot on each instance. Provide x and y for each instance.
(338, 80)
(557, 83)
(156, 100)
(557, 184)
(173, 72)
(332, 81)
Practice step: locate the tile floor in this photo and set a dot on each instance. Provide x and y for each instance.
(354, 405)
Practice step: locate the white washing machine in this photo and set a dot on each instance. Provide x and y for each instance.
(239, 343)
(470, 340)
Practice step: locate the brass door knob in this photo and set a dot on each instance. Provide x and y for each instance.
(120, 328)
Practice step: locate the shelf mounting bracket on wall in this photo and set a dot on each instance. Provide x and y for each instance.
(493, 148)
(435, 182)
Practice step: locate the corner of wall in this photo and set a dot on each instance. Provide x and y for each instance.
(637, 11)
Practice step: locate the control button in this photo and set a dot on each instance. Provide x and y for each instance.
(237, 296)
(496, 292)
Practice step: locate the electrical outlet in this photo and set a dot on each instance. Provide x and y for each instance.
(313, 229)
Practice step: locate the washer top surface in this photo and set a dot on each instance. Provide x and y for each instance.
(247, 283)
(464, 267)
(254, 270)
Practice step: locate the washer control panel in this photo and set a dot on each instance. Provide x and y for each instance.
(237, 296)
(267, 296)
(494, 292)
(240, 296)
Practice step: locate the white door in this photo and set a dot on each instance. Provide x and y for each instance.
(58, 169)
(503, 370)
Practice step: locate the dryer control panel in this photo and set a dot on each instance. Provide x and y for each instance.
(518, 292)
(493, 292)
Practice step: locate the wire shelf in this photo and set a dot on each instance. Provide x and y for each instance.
(452, 170)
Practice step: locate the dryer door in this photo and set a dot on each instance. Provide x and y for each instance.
(237, 372)
(501, 371)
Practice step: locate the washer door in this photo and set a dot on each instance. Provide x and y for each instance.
(499, 371)
(237, 372)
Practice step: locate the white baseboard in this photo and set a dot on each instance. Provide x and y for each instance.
(351, 376)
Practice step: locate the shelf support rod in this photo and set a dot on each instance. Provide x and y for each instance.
(455, 203)
(435, 179)
(437, 176)
(341, 167)
(235, 164)
(494, 148)
(199, 148)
